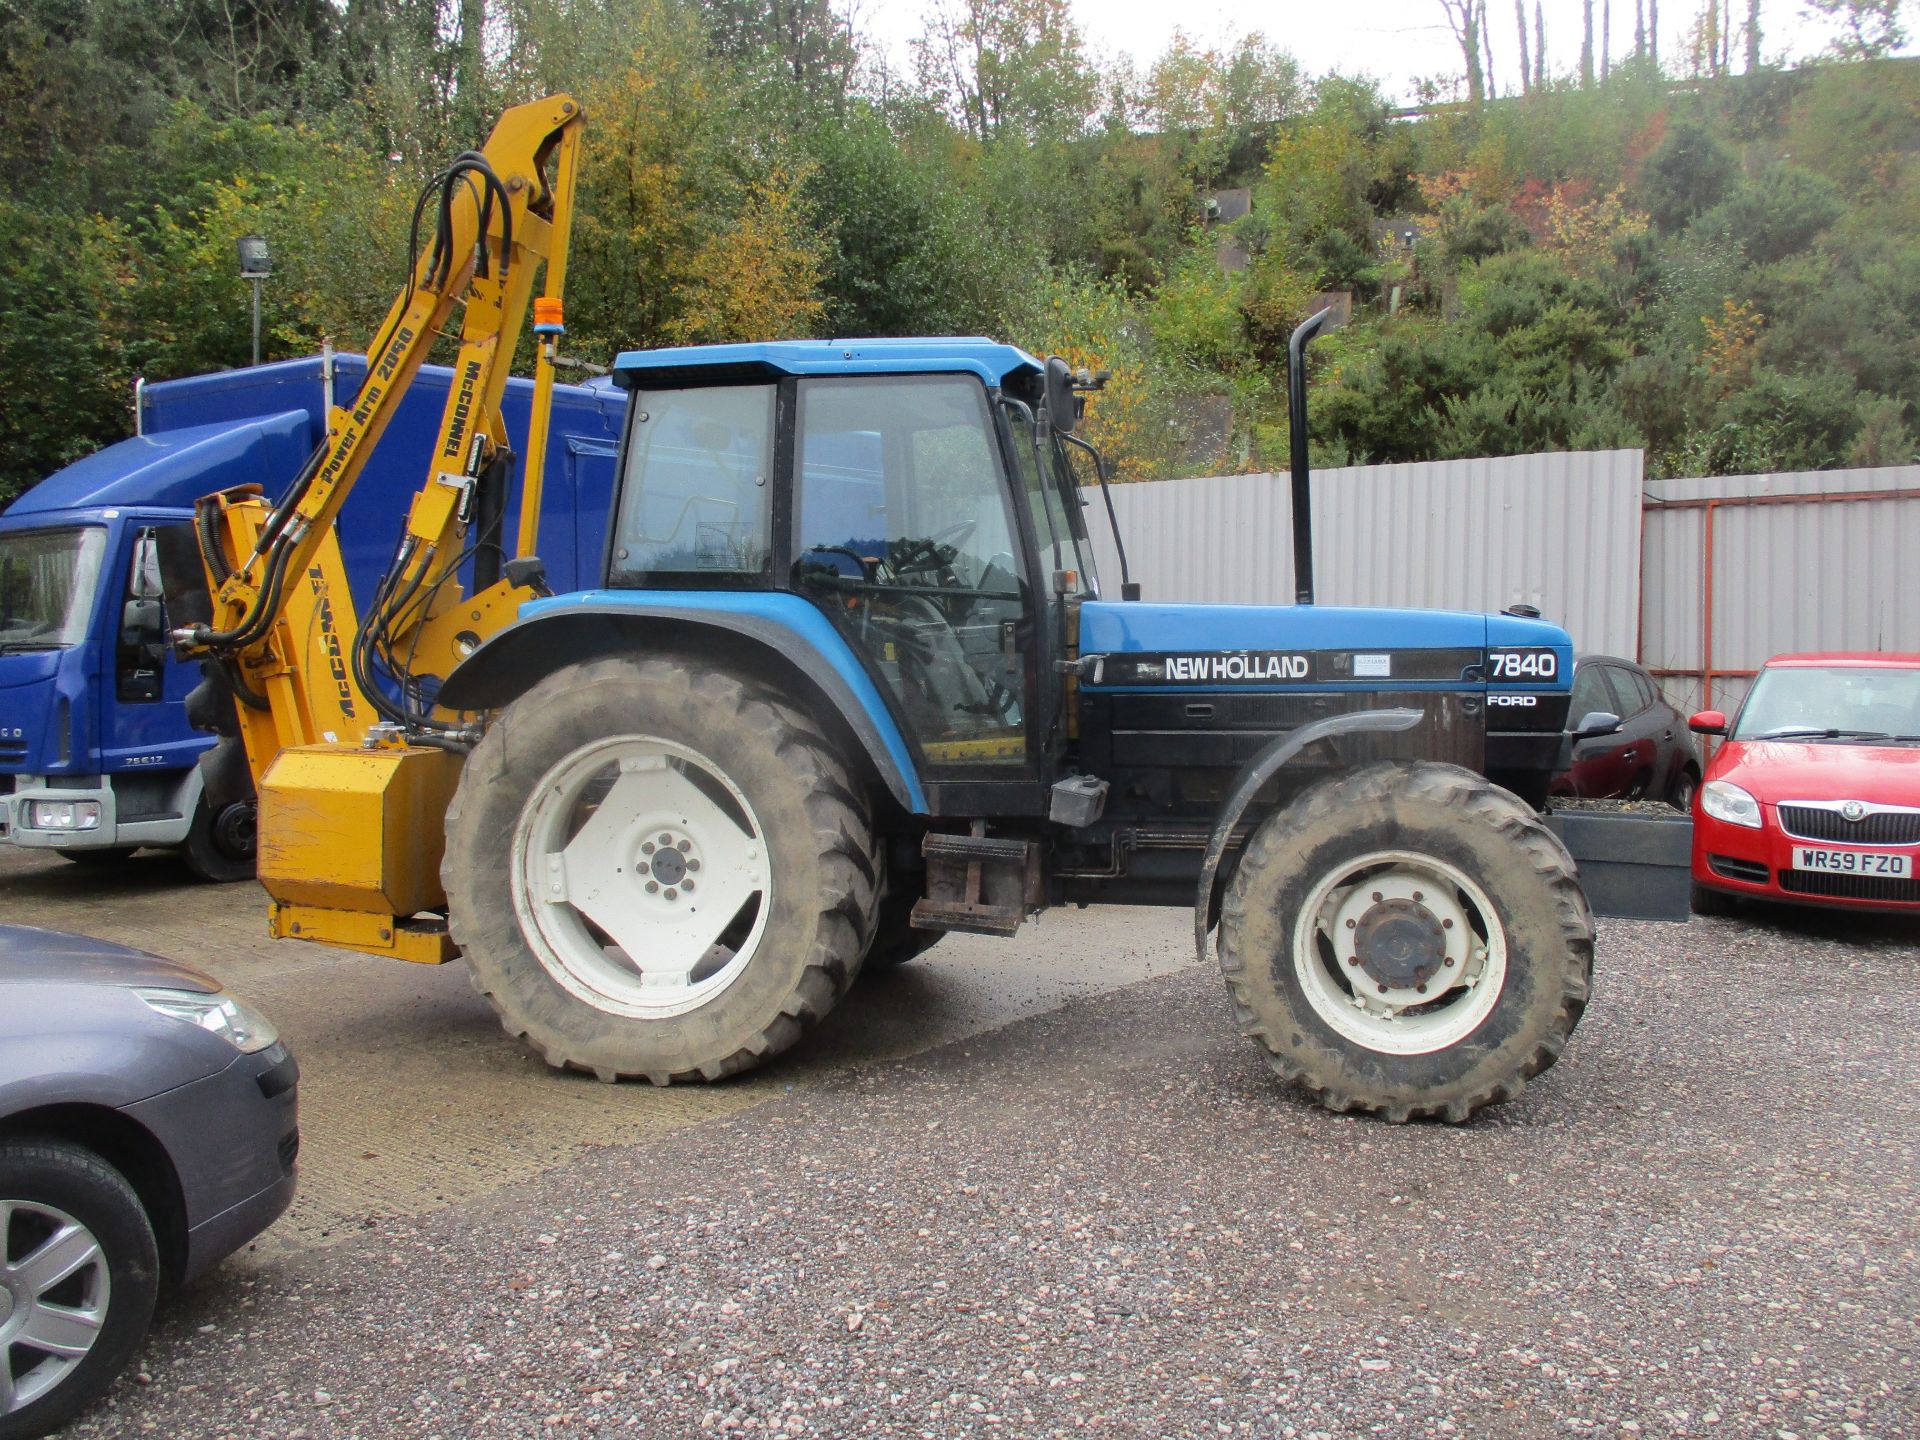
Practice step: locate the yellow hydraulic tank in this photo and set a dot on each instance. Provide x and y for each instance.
(356, 830)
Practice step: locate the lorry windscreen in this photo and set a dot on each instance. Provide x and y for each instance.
(47, 584)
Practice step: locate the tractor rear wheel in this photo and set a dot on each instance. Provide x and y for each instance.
(1407, 940)
(660, 870)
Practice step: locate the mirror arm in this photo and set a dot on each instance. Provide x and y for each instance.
(1127, 588)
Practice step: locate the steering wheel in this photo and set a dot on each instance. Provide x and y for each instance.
(863, 564)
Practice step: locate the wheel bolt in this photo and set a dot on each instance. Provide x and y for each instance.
(684, 846)
(1353, 924)
(693, 864)
(1446, 924)
(672, 894)
(665, 839)
(1420, 989)
(653, 887)
(687, 885)
(1378, 896)
(1417, 896)
(1383, 989)
(1354, 961)
(1447, 961)
(647, 849)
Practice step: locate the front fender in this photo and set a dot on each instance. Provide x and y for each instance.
(781, 636)
(1258, 771)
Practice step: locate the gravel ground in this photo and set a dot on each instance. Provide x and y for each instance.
(1110, 1219)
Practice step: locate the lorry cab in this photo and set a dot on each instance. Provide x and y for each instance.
(97, 755)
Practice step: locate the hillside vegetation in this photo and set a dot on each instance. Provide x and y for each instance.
(1725, 271)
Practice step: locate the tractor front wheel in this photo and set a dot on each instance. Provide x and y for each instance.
(658, 870)
(1407, 940)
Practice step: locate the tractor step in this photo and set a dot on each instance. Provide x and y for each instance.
(979, 883)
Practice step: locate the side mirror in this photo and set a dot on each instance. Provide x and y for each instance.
(1596, 723)
(1062, 411)
(1708, 722)
(142, 622)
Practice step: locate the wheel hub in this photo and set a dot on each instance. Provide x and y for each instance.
(668, 863)
(1400, 944)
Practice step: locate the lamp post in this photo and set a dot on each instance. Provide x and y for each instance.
(256, 263)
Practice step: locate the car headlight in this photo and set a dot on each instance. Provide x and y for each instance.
(1728, 802)
(227, 1016)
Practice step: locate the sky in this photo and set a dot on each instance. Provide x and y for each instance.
(1395, 41)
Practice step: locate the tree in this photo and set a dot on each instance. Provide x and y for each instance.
(1467, 19)
(1870, 28)
(1008, 67)
(1526, 69)
(811, 45)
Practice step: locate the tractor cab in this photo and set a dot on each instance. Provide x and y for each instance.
(917, 494)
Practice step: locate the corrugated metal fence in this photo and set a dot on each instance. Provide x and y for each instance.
(1821, 560)
(1815, 560)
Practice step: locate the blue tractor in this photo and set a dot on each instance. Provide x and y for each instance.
(850, 682)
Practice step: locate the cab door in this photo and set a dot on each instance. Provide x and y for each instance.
(905, 532)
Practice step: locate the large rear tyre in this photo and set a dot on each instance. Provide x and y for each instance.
(1407, 940)
(658, 870)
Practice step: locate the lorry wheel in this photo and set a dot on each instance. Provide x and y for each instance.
(658, 869)
(895, 941)
(1407, 940)
(79, 1272)
(220, 843)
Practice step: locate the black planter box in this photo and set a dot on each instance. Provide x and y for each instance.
(1634, 867)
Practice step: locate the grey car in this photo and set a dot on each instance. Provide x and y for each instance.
(147, 1130)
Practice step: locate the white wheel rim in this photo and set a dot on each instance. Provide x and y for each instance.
(650, 844)
(54, 1293)
(1431, 950)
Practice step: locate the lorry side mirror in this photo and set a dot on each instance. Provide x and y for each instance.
(1708, 722)
(142, 651)
(1596, 723)
(142, 622)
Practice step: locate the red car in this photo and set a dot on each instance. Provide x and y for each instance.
(1814, 797)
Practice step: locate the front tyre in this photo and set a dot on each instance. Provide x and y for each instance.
(658, 870)
(79, 1272)
(1407, 940)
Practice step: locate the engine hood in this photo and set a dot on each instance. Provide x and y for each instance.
(1314, 644)
(31, 954)
(1775, 770)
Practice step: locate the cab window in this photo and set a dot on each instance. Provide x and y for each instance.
(695, 497)
(904, 536)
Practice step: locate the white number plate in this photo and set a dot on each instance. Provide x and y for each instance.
(1852, 862)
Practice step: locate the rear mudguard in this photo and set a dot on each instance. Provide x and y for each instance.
(1261, 769)
(782, 632)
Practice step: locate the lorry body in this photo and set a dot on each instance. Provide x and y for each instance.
(97, 755)
(845, 681)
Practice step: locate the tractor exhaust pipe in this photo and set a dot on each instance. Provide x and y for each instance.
(1297, 438)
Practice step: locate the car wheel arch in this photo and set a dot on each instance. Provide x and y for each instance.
(131, 1149)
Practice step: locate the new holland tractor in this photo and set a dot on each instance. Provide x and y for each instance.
(849, 682)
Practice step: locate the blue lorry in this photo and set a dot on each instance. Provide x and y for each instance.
(97, 757)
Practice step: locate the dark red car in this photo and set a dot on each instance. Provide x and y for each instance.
(1815, 795)
(1647, 756)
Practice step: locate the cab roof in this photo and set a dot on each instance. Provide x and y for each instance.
(993, 362)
